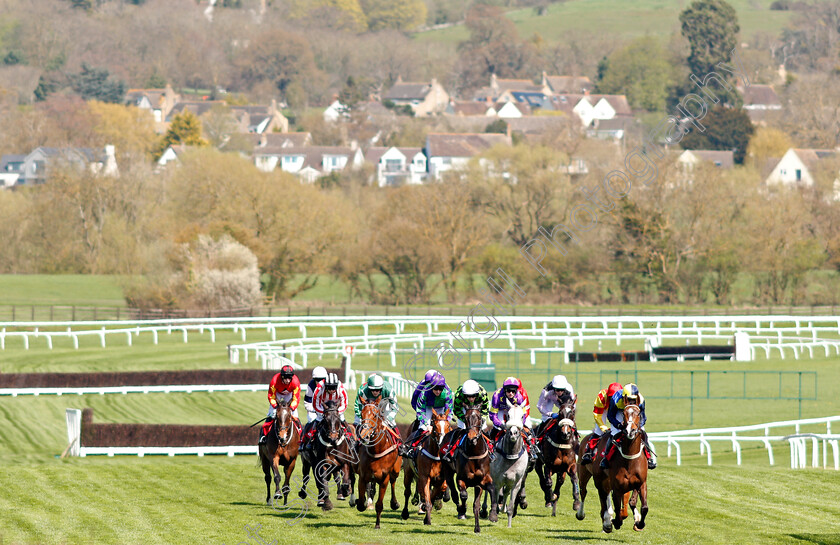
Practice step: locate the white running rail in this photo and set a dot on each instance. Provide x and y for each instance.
(102, 390)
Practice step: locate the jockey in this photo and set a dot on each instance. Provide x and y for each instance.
(330, 389)
(602, 400)
(286, 386)
(556, 393)
(422, 387)
(630, 395)
(468, 394)
(318, 374)
(511, 394)
(434, 394)
(377, 387)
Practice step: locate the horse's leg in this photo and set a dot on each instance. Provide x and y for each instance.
(483, 512)
(561, 478)
(494, 506)
(618, 505)
(426, 498)
(288, 471)
(305, 481)
(624, 501)
(463, 496)
(546, 482)
(520, 497)
(361, 502)
(351, 485)
(380, 503)
(583, 477)
(478, 491)
(393, 481)
(514, 505)
(266, 467)
(408, 478)
(573, 475)
(640, 524)
(606, 510)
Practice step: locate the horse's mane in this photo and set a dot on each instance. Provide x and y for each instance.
(330, 405)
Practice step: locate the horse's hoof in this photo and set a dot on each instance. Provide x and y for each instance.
(494, 517)
(638, 528)
(482, 514)
(548, 504)
(438, 504)
(580, 516)
(415, 500)
(302, 494)
(523, 504)
(339, 496)
(376, 527)
(320, 503)
(553, 498)
(395, 505)
(477, 530)
(462, 517)
(328, 506)
(427, 522)
(404, 514)
(360, 505)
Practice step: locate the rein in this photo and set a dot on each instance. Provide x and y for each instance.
(563, 422)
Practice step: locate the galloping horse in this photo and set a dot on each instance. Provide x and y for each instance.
(509, 468)
(559, 447)
(427, 469)
(472, 465)
(331, 454)
(627, 473)
(280, 449)
(379, 461)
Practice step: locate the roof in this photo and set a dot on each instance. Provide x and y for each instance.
(463, 144)
(534, 99)
(569, 84)
(760, 95)
(155, 96)
(469, 107)
(618, 102)
(87, 154)
(523, 107)
(724, 159)
(7, 163)
(313, 156)
(408, 91)
(374, 154)
(523, 85)
(537, 124)
(199, 108)
(617, 123)
(812, 156)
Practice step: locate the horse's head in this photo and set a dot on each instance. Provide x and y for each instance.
(566, 422)
(440, 425)
(473, 421)
(513, 423)
(332, 422)
(632, 421)
(283, 421)
(370, 421)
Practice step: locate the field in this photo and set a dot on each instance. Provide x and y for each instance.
(180, 500)
(620, 19)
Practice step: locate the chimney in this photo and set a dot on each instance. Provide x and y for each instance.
(493, 83)
(544, 79)
(110, 166)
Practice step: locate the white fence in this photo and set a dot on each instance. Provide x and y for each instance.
(102, 390)
(736, 436)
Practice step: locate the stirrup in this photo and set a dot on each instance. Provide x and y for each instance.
(651, 463)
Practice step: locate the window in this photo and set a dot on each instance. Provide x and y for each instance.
(446, 160)
(783, 172)
(798, 175)
(718, 164)
(392, 165)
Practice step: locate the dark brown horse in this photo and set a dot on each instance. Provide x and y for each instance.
(427, 469)
(379, 461)
(331, 455)
(626, 474)
(559, 448)
(472, 466)
(280, 449)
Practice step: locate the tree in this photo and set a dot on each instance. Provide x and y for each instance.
(641, 71)
(96, 84)
(334, 14)
(394, 14)
(725, 129)
(281, 58)
(767, 143)
(129, 129)
(185, 129)
(711, 28)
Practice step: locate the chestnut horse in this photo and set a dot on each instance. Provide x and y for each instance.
(427, 469)
(472, 465)
(379, 462)
(280, 449)
(559, 448)
(626, 474)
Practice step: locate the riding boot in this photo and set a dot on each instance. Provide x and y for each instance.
(649, 452)
(587, 454)
(608, 454)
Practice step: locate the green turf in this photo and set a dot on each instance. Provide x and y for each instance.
(60, 289)
(619, 19)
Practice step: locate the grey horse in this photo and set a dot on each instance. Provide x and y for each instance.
(509, 467)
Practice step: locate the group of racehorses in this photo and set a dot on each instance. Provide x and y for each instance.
(377, 462)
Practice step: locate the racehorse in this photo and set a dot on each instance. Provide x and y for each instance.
(627, 472)
(559, 447)
(472, 465)
(510, 466)
(427, 469)
(379, 461)
(280, 449)
(331, 454)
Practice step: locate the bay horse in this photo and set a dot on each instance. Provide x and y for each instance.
(559, 446)
(510, 467)
(379, 461)
(280, 449)
(331, 455)
(626, 474)
(427, 470)
(472, 465)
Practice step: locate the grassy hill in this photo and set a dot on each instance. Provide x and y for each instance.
(619, 18)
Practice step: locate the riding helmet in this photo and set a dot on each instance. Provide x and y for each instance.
(287, 372)
(319, 373)
(511, 384)
(559, 382)
(470, 388)
(331, 381)
(630, 392)
(375, 382)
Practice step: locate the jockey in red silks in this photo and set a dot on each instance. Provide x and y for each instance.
(330, 389)
(629, 395)
(511, 394)
(602, 401)
(286, 386)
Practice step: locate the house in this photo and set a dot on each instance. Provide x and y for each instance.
(688, 159)
(282, 140)
(36, 165)
(159, 102)
(397, 166)
(309, 162)
(11, 167)
(759, 100)
(501, 90)
(534, 126)
(796, 167)
(260, 119)
(611, 129)
(569, 85)
(424, 98)
(173, 154)
(590, 107)
(196, 107)
(334, 112)
(446, 151)
(512, 110)
(471, 108)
